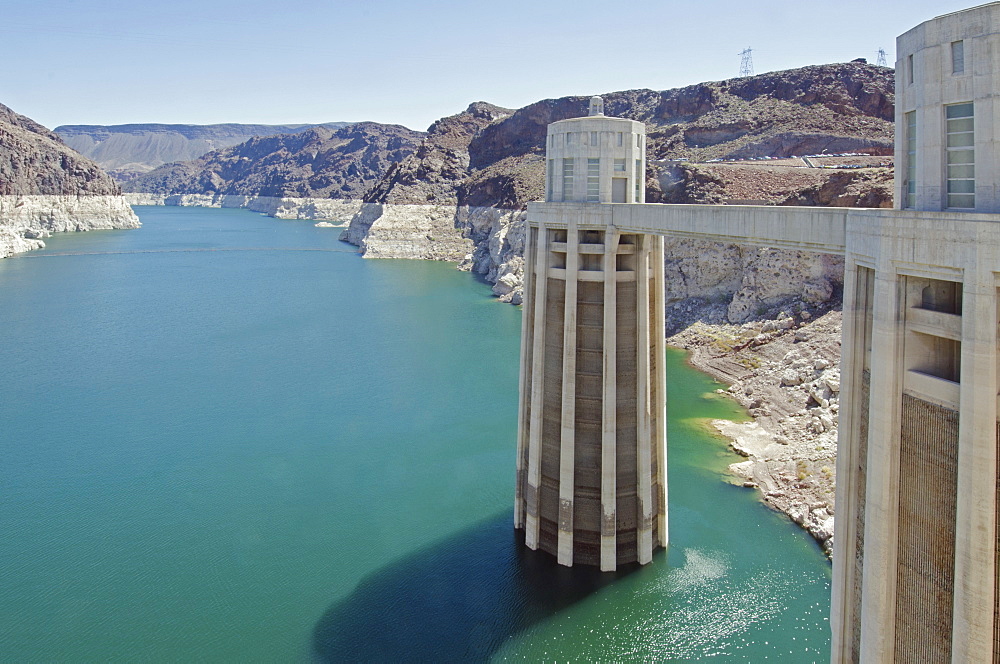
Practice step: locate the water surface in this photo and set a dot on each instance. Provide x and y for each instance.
(229, 438)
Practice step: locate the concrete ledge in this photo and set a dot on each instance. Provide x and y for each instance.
(936, 323)
(821, 230)
(931, 389)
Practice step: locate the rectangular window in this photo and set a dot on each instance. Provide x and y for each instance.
(569, 138)
(909, 69)
(638, 180)
(957, 57)
(620, 139)
(961, 156)
(594, 140)
(620, 165)
(550, 176)
(593, 180)
(567, 179)
(638, 141)
(911, 160)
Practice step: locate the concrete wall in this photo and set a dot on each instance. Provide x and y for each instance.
(926, 84)
(807, 228)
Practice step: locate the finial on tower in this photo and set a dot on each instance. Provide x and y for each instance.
(596, 106)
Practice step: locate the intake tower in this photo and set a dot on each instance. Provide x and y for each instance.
(591, 460)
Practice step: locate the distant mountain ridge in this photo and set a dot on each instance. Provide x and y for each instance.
(315, 163)
(129, 150)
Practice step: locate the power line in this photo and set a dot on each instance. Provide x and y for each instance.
(881, 62)
(746, 63)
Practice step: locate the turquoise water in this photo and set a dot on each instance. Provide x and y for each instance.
(218, 446)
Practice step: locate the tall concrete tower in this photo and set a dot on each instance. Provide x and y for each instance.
(591, 457)
(915, 560)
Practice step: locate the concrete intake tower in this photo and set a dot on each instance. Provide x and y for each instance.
(591, 456)
(916, 564)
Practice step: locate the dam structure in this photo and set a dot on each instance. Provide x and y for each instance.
(916, 549)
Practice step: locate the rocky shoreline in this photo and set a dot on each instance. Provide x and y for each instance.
(325, 209)
(785, 372)
(26, 220)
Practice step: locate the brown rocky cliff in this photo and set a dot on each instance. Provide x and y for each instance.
(759, 184)
(434, 173)
(835, 108)
(34, 161)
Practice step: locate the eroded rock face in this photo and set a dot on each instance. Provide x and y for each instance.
(727, 283)
(436, 170)
(331, 209)
(46, 188)
(34, 161)
(408, 231)
(413, 212)
(25, 220)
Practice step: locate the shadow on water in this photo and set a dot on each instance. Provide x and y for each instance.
(457, 600)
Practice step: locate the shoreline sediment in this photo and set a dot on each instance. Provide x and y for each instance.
(786, 374)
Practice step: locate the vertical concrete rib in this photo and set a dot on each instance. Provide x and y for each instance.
(660, 386)
(882, 500)
(531, 521)
(842, 616)
(644, 454)
(524, 385)
(609, 429)
(567, 439)
(975, 524)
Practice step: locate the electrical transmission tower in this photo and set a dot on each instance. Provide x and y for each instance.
(881, 58)
(746, 63)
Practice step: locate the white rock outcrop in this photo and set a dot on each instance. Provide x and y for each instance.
(25, 220)
(486, 240)
(408, 231)
(327, 209)
(499, 253)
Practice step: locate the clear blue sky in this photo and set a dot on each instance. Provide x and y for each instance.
(405, 62)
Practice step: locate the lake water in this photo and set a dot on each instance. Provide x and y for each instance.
(229, 438)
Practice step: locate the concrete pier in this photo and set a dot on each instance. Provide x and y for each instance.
(592, 438)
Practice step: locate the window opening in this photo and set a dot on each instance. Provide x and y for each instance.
(957, 57)
(961, 189)
(911, 160)
(567, 177)
(593, 180)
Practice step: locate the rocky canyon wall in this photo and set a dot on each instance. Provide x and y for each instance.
(45, 188)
